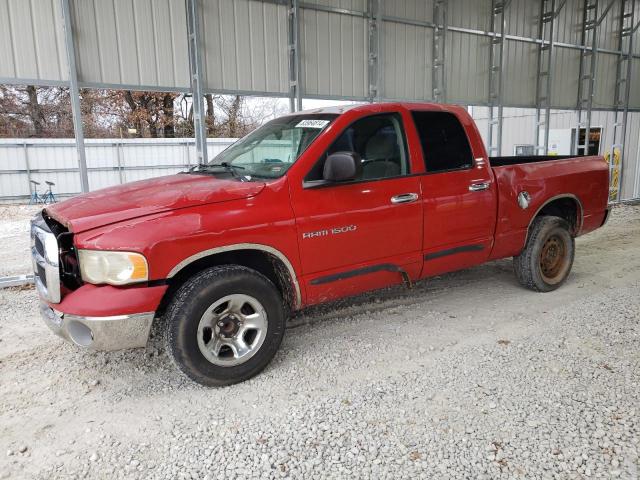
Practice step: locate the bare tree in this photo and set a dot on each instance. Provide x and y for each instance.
(237, 116)
(30, 111)
(210, 113)
(35, 111)
(46, 112)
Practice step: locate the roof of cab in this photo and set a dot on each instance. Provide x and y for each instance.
(334, 109)
(340, 109)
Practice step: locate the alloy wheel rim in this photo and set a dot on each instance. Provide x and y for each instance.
(232, 330)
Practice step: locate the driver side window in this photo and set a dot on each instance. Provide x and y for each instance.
(380, 143)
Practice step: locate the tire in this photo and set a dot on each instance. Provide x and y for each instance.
(546, 260)
(204, 318)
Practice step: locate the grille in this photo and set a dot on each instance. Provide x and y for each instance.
(39, 246)
(45, 267)
(42, 274)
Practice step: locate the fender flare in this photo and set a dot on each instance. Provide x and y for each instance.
(580, 212)
(243, 246)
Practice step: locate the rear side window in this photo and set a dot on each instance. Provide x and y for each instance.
(444, 142)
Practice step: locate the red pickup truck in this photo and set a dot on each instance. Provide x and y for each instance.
(310, 207)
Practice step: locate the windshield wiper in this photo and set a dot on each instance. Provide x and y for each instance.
(202, 167)
(229, 166)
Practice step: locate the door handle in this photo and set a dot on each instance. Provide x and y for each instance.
(404, 198)
(478, 187)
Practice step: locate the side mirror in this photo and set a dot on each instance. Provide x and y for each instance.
(342, 166)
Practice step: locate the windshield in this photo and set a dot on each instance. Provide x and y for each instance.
(269, 151)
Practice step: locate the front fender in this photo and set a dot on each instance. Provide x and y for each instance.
(172, 239)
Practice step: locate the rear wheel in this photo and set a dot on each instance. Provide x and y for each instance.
(546, 260)
(225, 325)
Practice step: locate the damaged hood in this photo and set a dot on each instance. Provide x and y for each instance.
(147, 197)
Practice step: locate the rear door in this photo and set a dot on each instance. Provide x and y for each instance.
(362, 234)
(459, 195)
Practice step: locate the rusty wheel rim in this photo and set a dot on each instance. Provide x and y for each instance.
(553, 259)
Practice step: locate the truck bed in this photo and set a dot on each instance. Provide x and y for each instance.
(545, 178)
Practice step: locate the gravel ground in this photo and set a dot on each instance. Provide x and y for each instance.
(466, 376)
(14, 238)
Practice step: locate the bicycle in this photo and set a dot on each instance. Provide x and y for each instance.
(49, 197)
(35, 198)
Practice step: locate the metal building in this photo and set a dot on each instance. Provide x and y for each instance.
(577, 55)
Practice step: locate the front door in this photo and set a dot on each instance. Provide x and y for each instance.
(365, 233)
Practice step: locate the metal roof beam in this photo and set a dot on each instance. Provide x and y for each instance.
(604, 12)
(559, 9)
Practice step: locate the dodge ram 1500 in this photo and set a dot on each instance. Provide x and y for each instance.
(308, 208)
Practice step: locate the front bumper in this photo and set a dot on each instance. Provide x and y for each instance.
(100, 333)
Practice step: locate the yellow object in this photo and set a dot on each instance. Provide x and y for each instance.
(140, 269)
(614, 172)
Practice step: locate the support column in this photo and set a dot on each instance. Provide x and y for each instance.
(586, 74)
(196, 74)
(548, 14)
(293, 31)
(636, 183)
(74, 94)
(623, 92)
(496, 63)
(374, 15)
(438, 71)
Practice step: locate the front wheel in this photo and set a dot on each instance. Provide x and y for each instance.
(546, 260)
(225, 325)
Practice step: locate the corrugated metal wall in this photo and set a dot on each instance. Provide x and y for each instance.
(407, 53)
(406, 50)
(413, 10)
(132, 43)
(143, 44)
(520, 70)
(407, 57)
(110, 162)
(635, 91)
(31, 41)
(467, 67)
(473, 15)
(334, 53)
(564, 85)
(245, 46)
(521, 18)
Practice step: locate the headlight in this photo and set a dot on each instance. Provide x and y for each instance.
(115, 268)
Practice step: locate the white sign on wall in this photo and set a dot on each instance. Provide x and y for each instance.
(559, 141)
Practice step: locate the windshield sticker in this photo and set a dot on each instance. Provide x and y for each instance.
(312, 123)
